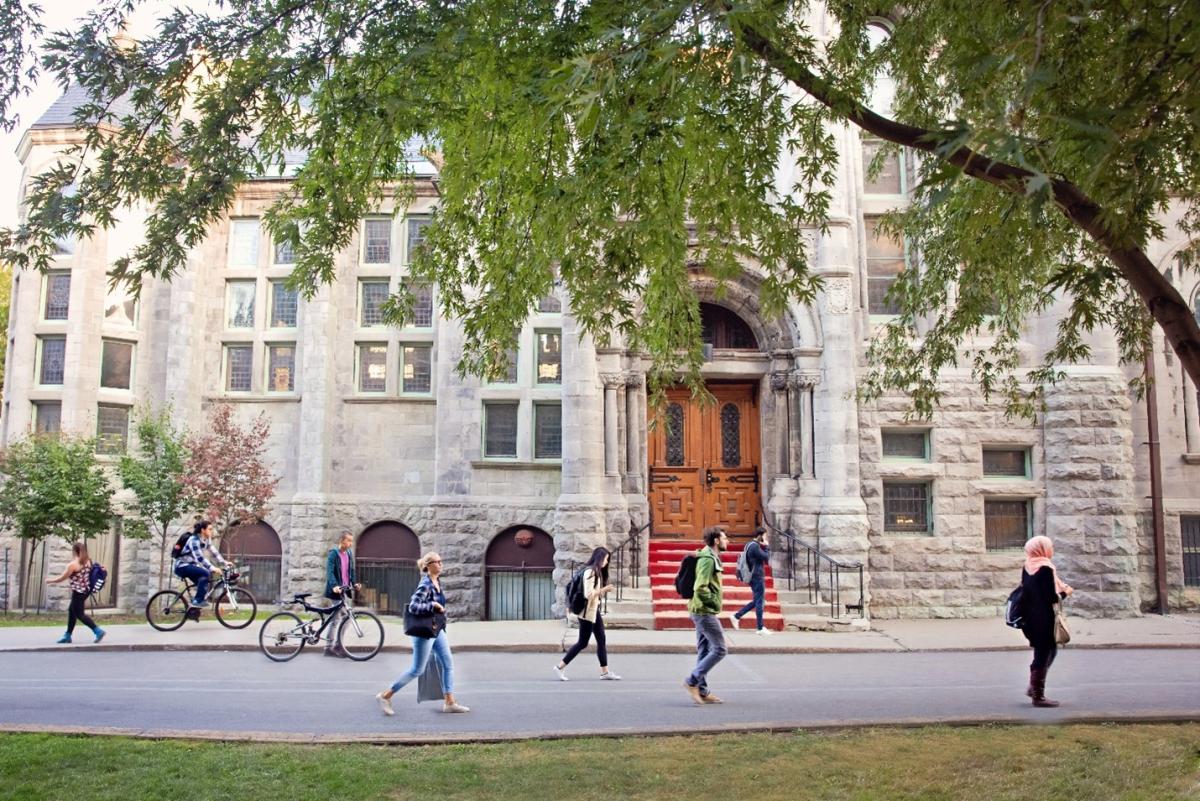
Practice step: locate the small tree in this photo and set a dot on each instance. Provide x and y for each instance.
(155, 476)
(225, 471)
(53, 486)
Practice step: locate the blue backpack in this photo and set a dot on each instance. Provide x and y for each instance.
(96, 578)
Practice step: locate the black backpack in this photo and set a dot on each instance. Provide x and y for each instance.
(685, 579)
(1014, 617)
(576, 598)
(177, 548)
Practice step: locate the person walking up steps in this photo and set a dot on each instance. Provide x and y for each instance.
(596, 586)
(1041, 589)
(705, 608)
(758, 554)
(427, 597)
(79, 572)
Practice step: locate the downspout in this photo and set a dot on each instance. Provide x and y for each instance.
(1156, 498)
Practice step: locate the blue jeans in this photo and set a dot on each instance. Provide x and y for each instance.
(198, 575)
(710, 649)
(758, 587)
(439, 646)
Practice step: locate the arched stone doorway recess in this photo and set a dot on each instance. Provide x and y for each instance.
(256, 547)
(385, 561)
(518, 575)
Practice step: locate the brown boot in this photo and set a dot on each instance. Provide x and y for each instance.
(1029, 689)
(1039, 690)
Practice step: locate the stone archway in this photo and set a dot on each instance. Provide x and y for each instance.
(256, 548)
(385, 560)
(519, 575)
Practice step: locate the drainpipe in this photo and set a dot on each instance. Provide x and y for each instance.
(1156, 498)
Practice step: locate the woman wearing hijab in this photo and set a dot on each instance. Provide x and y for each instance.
(595, 587)
(1041, 589)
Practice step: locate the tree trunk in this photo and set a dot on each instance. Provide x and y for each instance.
(1165, 304)
(162, 556)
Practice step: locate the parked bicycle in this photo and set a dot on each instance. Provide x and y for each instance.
(359, 633)
(168, 609)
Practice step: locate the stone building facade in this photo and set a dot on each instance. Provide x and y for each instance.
(373, 430)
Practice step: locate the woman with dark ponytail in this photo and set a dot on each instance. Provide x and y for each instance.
(595, 587)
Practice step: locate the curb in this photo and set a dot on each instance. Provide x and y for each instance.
(468, 738)
(552, 648)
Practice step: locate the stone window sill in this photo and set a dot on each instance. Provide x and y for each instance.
(1191, 458)
(389, 399)
(515, 465)
(251, 398)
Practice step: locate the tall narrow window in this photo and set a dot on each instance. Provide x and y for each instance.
(549, 357)
(284, 304)
(422, 310)
(112, 429)
(47, 417)
(885, 261)
(500, 429)
(372, 367)
(416, 373)
(372, 295)
(116, 364)
(416, 235)
(674, 422)
(377, 241)
(547, 431)
(889, 179)
(284, 252)
(58, 296)
(281, 368)
(239, 304)
(731, 435)
(243, 243)
(52, 356)
(1189, 540)
(238, 360)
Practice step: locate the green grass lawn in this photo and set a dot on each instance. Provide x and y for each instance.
(994, 763)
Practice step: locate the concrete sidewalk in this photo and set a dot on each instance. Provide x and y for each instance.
(547, 636)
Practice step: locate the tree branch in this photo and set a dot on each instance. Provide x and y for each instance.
(1165, 304)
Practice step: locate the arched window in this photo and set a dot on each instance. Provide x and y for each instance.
(519, 575)
(257, 549)
(385, 562)
(723, 329)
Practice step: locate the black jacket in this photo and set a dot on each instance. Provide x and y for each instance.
(1038, 597)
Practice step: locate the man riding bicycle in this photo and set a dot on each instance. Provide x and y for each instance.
(192, 564)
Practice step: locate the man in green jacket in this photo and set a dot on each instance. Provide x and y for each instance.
(705, 610)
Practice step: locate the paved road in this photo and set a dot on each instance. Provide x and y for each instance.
(516, 695)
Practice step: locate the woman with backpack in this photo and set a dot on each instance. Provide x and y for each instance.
(79, 573)
(595, 586)
(1041, 589)
(428, 598)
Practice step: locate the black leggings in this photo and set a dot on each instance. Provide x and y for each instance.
(77, 611)
(1043, 654)
(586, 629)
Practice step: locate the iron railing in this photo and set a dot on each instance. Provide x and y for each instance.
(388, 584)
(815, 565)
(625, 563)
(519, 593)
(261, 575)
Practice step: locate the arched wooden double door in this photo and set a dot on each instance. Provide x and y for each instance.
(704, 463)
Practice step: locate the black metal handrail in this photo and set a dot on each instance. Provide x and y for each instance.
(815, 562)
(627, 554)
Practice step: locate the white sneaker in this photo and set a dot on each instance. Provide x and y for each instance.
(609, 676)
(735, 621)
(765, 633)
(561, 673)
(385, 704)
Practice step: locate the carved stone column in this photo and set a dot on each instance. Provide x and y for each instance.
(611, 382)
(785, 421)
(802, 383)
(635, 419)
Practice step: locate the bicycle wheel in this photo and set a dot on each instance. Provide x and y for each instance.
(231, 606)
(281, 636)
(166, 610)
(361, 637)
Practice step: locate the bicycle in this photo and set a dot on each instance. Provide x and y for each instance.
(169, 609)
(359, 634)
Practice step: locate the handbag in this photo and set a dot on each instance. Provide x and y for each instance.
(429, 683)
(428, 625)
(1062, 635)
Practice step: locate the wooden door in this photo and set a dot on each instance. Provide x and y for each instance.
(704, 463)
(677, 468)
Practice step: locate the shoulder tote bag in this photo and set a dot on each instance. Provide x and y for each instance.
(1062, 635)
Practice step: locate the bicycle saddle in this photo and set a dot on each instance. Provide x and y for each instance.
(300, 596)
